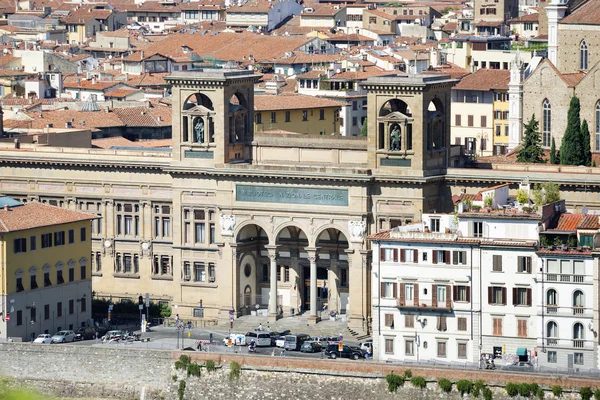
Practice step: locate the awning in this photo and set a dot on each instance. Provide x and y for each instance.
(521, 351)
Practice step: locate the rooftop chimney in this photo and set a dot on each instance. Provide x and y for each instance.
(6, 207)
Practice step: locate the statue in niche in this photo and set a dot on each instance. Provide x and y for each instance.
(395, 138)
(199, 131)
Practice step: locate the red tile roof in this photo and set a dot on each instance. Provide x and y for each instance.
(37, 215)
(485, 80)
(586, 14)
(589, 222)
(569, 253)
(525, 18)
(292, 102)
(568, 222)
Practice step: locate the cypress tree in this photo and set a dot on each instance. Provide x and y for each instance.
(571, 149)
(531, 148)
(585, 141)
(553, 159)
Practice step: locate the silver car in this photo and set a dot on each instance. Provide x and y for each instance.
(63, 337)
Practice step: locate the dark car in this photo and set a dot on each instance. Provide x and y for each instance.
(519, 366)
(310, 347)
(85, 333)
(354, 353)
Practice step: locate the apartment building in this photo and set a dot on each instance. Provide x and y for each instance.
(480, 111)
(457, 287)
(46, 273)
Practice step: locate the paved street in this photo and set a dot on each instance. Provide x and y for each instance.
(166, 338)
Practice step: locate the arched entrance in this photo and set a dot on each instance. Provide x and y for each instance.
(251, 262)
(333, 275)
(291, 261)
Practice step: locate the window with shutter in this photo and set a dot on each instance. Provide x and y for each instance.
(504, 296)
(415, 256)
(461, 324)
(497, 263)
(389, 320)
(455, 257)
(529, 297)
(395, 255)
(447, 256)
(402, 255)
(448, 296)
(409, 321)
(402, 294)
(434, 257)
(497, 326)
(381, 254)
(434, 293)
(416, 294)
(462, 350)
(522, 328)
(394, 290)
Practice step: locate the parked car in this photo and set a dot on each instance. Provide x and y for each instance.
(519, 366)
(237, 339)
(366, 345)
(44, 338)
(280, 341)
(294, 342)
(63, 337)
(112, 335)
(326, 340)
(354, 353)
(85, 333)
(262, 339)
(310, 347)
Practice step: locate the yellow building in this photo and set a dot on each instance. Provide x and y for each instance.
(500, 120)
(45, 274)
(296, 113)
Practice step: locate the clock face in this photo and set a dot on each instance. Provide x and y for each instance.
(107, 243)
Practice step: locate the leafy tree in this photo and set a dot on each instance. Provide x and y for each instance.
(165, 311)
(363, 129)
(546, 193)
(585, 142)
(531, 148)
(523, 197)
(553, 159)
(571, 149)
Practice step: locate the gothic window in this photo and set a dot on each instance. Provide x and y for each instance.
(546, 125)
(583, 55)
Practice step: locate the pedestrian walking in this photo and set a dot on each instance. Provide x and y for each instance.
(260, 328)
(210, 338)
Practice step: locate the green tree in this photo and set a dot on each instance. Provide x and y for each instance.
(165, 311)
(546, 193)
(363, 129)
(531, 148)
(553, 159)
(585, 143)
(571, 148)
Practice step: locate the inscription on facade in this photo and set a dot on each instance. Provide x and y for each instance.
(395, 162)
(292, 195)
(14, 185)
(198, 154)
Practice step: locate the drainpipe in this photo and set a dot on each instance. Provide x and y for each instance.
(480, 302)
(543, 315)
(471, 284)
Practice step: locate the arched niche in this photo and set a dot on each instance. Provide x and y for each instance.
(436, 125)
(395, 126)
(238, 118)
(197, 124)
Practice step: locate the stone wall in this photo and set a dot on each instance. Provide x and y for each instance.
(99, 372)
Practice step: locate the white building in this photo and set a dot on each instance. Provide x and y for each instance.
(455, 287)
(567, 336)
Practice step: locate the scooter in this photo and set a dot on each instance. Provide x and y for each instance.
(490, 365)
(252, 348)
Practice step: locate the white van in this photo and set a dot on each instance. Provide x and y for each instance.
(262, 339)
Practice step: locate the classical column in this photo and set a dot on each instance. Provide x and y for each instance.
(146, 223)
(312, 258)
(272, 249)
(332, 282)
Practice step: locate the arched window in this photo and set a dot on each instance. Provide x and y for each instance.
(578, 332)
(551, 297)
(552, 330)
(546, 124)
(598, 126)
(583, 55)
(578, 302)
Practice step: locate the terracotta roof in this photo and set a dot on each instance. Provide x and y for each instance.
(450, 239)
(493, 24)
(83, 13)
(145, 116)
(312, 74)
(121, 92)
(525, 18)
(89, 84)
(449, 27)
(36, 215)
(569, 253)
(155, 143)
(253, 6)
(107, 143)
(292, 102)
(362, 75)
(454, 71)
(485, 80)
(586, 14)
(573, 79)
(123, 32)
(466, 196)
(589, 222)
(323, 11)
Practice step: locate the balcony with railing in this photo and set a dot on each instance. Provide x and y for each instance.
(569, 343)
(425, 305)
(580, 311)
(568, 278)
